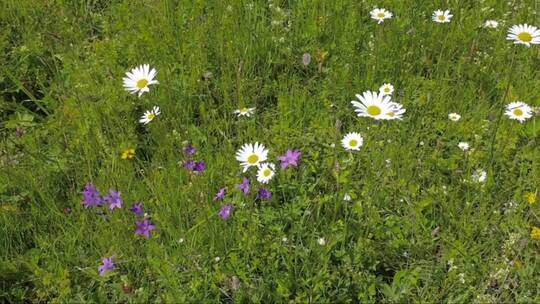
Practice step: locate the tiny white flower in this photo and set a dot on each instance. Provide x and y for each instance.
(347, 197)
(454, 116)
(265, 173)
(380, 14)
(442, 17)
(352, 141)
(321, 241)
(284, 239)
(479, 176)
(491, 24)
(463, 146)
(180, 240)
(148, 116)
(217, 259)
(245, 112)
(386, 89)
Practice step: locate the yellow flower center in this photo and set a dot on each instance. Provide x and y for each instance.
(373, 110)
(243, 110)
(525, 37)
(253, 158)
(142, 83)
(387, 90)
(353, 142)
(441, 17)
(267, 172)
(380, 15)
(518, 112)
(151, 116)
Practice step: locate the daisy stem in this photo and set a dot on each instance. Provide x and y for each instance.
(501, 108)
(238, 82)
(439, 58)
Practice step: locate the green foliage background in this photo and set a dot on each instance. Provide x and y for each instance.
(415, 229)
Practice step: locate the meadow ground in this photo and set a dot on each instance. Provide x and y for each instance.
(428, 208)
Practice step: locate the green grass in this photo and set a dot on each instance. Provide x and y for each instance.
(416, 229)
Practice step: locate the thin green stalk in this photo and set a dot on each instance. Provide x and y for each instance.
(501, 109)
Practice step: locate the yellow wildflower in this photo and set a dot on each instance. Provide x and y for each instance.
(535, 233)
(128, 153)
(530, 197)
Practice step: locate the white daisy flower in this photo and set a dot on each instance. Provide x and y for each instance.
(524, 34)
(352, 141)
(266, 172)
(479, 176)
(373, 104)
(380, 14)
(251, 155)
(454, 116)
(441, 17)
(519, 111)
(148, 116)
(139, 78)
(386, 89)
(463, 146)
(491, 24)
(245, 112)
(396, 111)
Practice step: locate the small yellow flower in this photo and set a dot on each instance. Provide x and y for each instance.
(518, 263)
(128, 153)
(535, 233)
(530, 197)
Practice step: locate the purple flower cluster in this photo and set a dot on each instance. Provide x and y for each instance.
(144, 227)
(244, 186)
(264, 194)
(195, 166)
(114, 199)
(220, 194)
(191, 165)
(290, 158)
(92, 197)
(190, 150)
(137, 209)
(225, 211)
